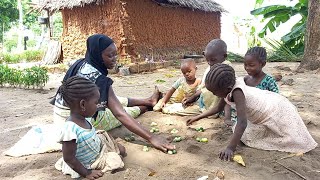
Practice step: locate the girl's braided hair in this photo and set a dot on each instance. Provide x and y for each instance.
(76, 88)
(259, 52)
(220, 76)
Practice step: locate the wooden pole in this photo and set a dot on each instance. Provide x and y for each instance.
(49, 25)
(2, 37)
(20, 34)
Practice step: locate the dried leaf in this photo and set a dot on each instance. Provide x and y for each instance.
(237, 158)
(152, 173)
(169, 75)
(220, 174)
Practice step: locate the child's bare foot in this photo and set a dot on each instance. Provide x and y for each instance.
(155, 96)
(228, 122)
(122, 150)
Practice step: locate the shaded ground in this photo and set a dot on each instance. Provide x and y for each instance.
(20, 109)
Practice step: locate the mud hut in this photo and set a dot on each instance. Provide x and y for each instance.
(157, 29)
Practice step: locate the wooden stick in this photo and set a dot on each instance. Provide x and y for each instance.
(292, 170)
(318, 171)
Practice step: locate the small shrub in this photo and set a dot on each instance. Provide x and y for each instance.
(11, 43)
(29, 56)
(32, 55)
(11, 58)
(35, 77)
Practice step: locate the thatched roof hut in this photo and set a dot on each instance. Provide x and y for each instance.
(161, 28)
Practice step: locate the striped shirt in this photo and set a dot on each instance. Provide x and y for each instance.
(88, 143)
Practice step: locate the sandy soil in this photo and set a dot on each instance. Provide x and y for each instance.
(20, 109)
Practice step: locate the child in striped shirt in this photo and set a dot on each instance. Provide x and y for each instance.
(81, 145)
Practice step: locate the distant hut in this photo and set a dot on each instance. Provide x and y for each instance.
(163, 29)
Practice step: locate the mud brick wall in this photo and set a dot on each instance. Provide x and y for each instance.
(140, 28)
(81, 22)
(166, 32)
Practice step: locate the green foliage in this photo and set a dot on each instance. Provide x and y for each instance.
(31, 43)
(251, 36)
(160, 81)
(8, 14)
(30, 17)
(32, 55)
(280, 53)
(10, 58)
(234, 57)
(279, 14)
(57, 25)
(11, 43)
(35, 77)
(29, 56)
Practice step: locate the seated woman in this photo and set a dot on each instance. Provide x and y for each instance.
(101, 55)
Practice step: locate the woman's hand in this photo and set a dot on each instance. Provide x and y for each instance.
(161, 144)
(226, 155)
(191, 120)
(95, 174)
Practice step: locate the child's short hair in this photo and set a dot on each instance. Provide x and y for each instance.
(76, 88)
(220, 76)
(188, 61)
(259, 52)
(220, 44)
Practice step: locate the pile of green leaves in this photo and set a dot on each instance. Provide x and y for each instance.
(35, 77)
(28, 56)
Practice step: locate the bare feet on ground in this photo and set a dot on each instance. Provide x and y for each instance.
(155, 96)
(228, 122)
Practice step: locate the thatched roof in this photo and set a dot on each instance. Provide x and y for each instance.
(203, 5)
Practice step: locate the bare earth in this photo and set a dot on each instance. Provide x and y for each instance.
(20, 109)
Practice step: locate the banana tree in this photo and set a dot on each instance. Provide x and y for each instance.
(279, 14)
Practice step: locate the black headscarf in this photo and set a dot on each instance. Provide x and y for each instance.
(95, 45)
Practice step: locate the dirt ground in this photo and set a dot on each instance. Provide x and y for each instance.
(20, 109)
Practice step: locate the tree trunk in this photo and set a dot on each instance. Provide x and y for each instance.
(20, 32)
(311, 57)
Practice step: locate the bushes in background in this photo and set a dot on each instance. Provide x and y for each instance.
(35, 77)
(28, 56)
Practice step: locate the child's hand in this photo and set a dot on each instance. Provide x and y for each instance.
(95, 174)
(163, 104)
(161, 144)
(226, 155)
(187, 102)
(191, 120)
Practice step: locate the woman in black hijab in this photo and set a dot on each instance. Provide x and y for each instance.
(101, 55)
